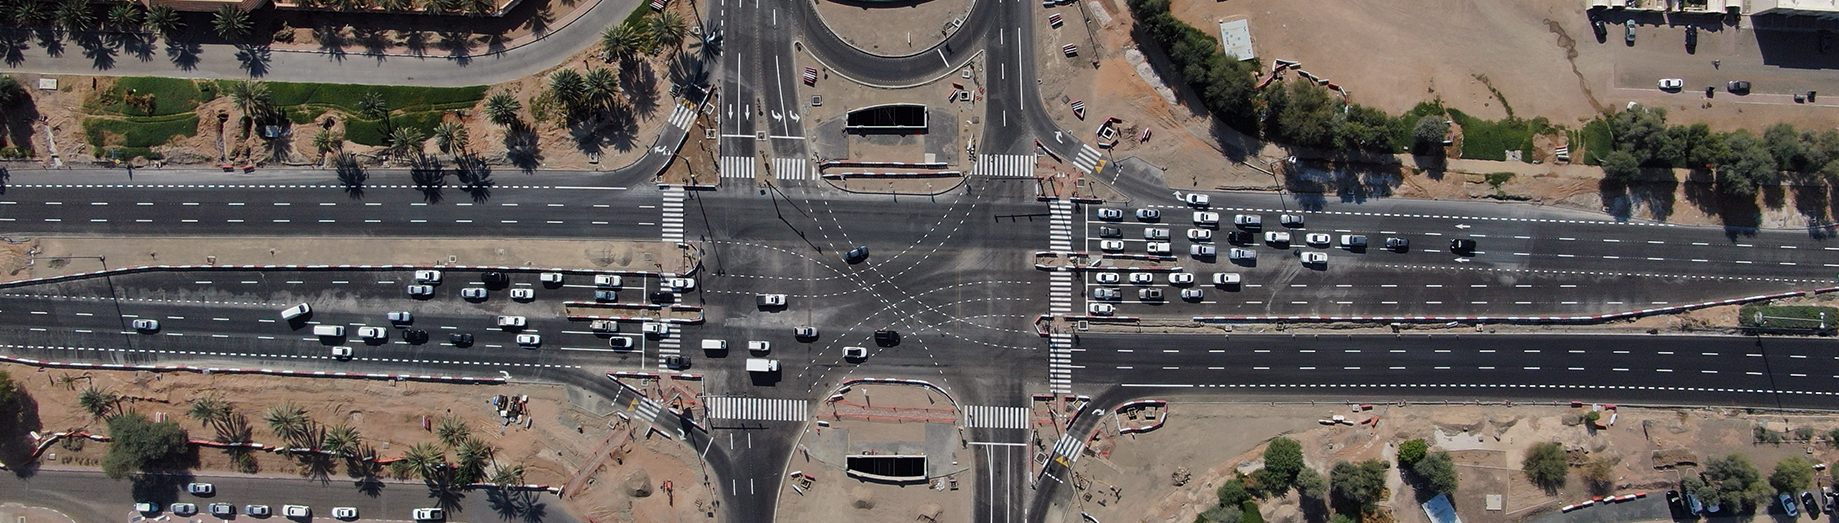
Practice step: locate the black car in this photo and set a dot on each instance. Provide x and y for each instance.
(415, 336)
(1239, 237)
(676, 361)
(1738, 87)
(1110, 232)
(663, 297)
(1462, 246)
(855, 255)
(887, 338)
(1602, 29)
(460, 339)
(1809, 502)
(496, 278)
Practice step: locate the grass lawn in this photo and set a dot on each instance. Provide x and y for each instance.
(1595, 140)
(138, 134)
(371, 132)
(400, 98)
(1787, 316)
(170, 95)
(1490, 140)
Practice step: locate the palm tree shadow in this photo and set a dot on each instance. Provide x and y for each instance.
(13, 45)
(254, 59)
(522, 148)
(351, 175)
(183, 54)
(516, 505)
(429, 178)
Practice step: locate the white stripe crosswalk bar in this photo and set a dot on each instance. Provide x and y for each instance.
(1087, 159)
(670, 345)
(1069, 447)
(672, 221)
(791, 169)
(982, 417)
(1005, 166)
(737, 167)
(682, 115)
(1060, 363)
(757, 409)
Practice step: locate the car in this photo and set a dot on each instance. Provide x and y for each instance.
(523, 294)
(676, 361)
(1293, 221)
(662, 297)
(415, 336)
(805, 332)
(1100, 309)
(1111, 245)
(1692, 37)
(1737, 87)
(1248, 221)
(1202, 251)
(427, 514)
(183, 509)
(1809, 503)
(1200, 235)
(1317, 239)
(1602, 29)
(460, 339)
(1462, 246)
(1149, 294)
(221, 510)
(401, 318)
(146, 507)
(619, 342)
(1197, 199)
(1110, 214)
(145, 325)
(341, 353)
(1159, 248)
(1106, 293)
(550, 278)
(345, 513)
(296, 511)
(1693, 504)
(1155, 233)
(530, 341)
(1225, 278)
(1180, 278)
(1672, 84)
(259, 511)
(606, 281)
(759, 346)
(606, 295)
(1110, 232)
(428, 277)
(1106, 277)
(1315, 258)
(855, 353)
(887, 338)
(421, 291)
(1142, 278)
(1786, 499)
(510, 322)
(680, 284)
(1192, 294)
(1149, 214)
(473, 293)
(1206, 218)
(1277, 238)
(856, 255)
(655, 329)
(1394, 243)
(1242, 254)
(373, 333)
(1628, 27)
(290, 313)
(1239, 237)
(496, 278)
(1353, 241)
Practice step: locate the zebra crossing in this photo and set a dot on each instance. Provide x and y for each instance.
(647, 409)
(671, 344)
(1060, 226)
(757, 409)
(1059, 293)
(1005, 166)
(1060, 363)
(981, 417)
(1088, 159)
(791, 169)
(673, 213)
(737, 167)
(1069, 447)
(683, 115)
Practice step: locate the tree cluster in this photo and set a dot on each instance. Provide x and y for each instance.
(1546, 465)
(138, 444)
(1360, 484)
(1741, 160)
(1434, 471)
(1730, 482)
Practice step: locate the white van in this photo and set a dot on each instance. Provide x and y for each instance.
(329, 331)
(296, 311)
(761, 347)
(716, 345)
(762, 365)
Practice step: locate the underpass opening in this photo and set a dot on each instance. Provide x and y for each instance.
(900, 118)
(888, 468)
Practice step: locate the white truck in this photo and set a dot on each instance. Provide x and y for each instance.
(715, 345)
(329, 331)
(762, 365)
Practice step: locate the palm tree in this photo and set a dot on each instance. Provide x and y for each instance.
(396, 6)
(98, 402)
(253, 99)
(469, 459)
(568, 87)
(163, 20)
(452, 431)
(31, 12)
(75, 15)
(502, 108)
(481, 7)
(427, 461)
(327, 142)
(126, 16)
(450, 137)
(405, 141)
(373, 106)
(342, 440)
(288, 421)
(209, 410)
(667, 29)
(231, 23)
(622, 42)
(602, 88)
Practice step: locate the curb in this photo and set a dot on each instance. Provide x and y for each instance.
(947, 72)
(1518, 319)
(899, 381)
(935, 174)
(157, 268)
(855, 163)
(273, 372)
(961, 181)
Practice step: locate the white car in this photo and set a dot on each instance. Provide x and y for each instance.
(512, 321)
(183, 509)
(1106, 293)
(373, 333)
(1110, 214)
(1200, 235)
(1225, 278)
(296, 311)
(473, 293)
(221, 510)
(550, 277)
(1317, 239)
(1672, 84)
(1106, 277)
(1149, 294)
(1181, 278)
(619, 342)
(1111, 245)
(1242, 254)
(529, 340)
(606, 281)
(260, 511)
(296, 511)
(421, 290)
(1142, 278)
(855, 353)
(1155, 233)
(428, 277)
(655, 329)
(1197, 199)
(805, 332)
(770, 300)
(1206, 218)
(762, 347)
(401, 317)
(428, 514)
(345, 513)
(1149, 214)
(1353, 241)
(1192, 294)
(1159, 247)
(147, 325)
(1315, 258)
(523, 294)
(680, 284)
(146, 507)
(1277, 238)
(1249, 221)
(1100, 309)
(1202, 251)
(1291, 220)
(342, 353)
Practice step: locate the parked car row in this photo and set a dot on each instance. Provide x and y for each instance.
(226, 510)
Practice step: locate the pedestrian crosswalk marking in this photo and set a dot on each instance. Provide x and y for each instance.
(672, 222)
(669, 345)
(1060, 363)
(757, 409)
(791, 169)
(1088, 159)
(682, 115)
(1069, 447)
(981, 417)
(1005, 166)
(737, 167)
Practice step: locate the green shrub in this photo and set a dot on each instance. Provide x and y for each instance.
(1252, 515)
(373, 132)
(1595, 140)
(1490, 140)
(400, 98)
(1787, 316)
(139, 132)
